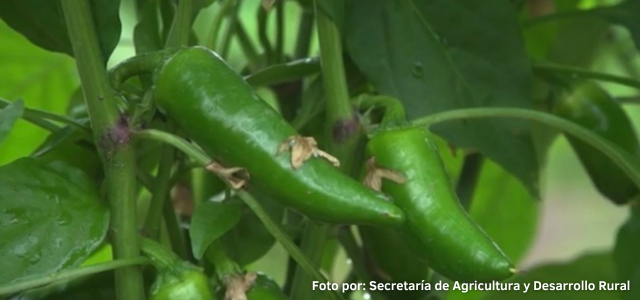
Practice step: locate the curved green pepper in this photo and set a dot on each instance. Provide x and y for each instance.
(591, 107)
(220, 112)
(264, 288)
(437, 228)
(184, 283)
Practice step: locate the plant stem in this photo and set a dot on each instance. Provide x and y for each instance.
(469, 178)
(175, 232)
(629, 164)
(303, 41)
(263, 17)
(247, 46)
(282, 73)
(160, 192)
(355, 253)
(223, 265)
(161, 257)
(280, 19)
(232, 22)
(70, 274)
(212, 40)
(582, 73)
(344, 128)
(35, 115)
(312, 245)
(181, 25)
(112, 136)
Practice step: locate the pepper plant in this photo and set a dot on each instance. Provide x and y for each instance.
(239, 149)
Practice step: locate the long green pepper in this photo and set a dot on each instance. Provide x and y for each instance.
(438, 229)
(223, 114)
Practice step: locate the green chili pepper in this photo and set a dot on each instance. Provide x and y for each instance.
(264, 288)
(437, 227)
(220, 112)
(593, 108)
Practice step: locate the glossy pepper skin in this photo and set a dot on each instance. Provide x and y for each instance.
(593, 108)
(264, 288)
(184, 283)
(222, 113)
(437, 227)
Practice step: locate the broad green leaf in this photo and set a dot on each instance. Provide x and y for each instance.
(45, 81)
(440, 55)
(146, 34)
(210, 221)
(67, 145)
(8, 116)
(592, 268)
(50, 218)
(625, 253)
(506, 211)
(249, 239)
(42, 22)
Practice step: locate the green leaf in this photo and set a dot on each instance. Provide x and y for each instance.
(210, 221)
(146, 34)
(592, 268)
(625, 253)
(42, 22)
(45, 80)
(506, 211)
(8, 117)
(50, 218)
(440, 55)
(67, 145)
(249, 239)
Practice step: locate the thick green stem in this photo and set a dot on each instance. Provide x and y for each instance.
(112, 136)
(394, 113)
(343, 126)
(181, 25)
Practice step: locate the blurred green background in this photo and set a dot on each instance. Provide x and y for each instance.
(574, 218)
